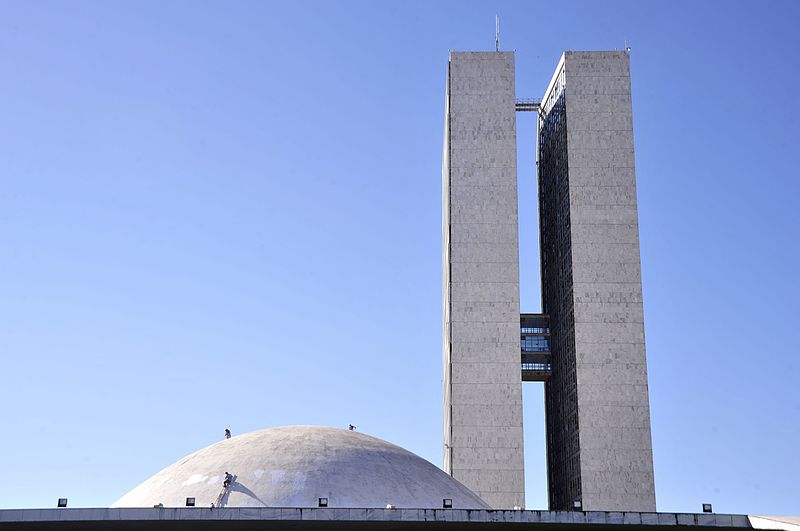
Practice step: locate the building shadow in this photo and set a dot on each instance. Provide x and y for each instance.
(236, 486)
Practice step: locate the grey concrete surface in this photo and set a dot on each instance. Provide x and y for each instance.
(483, 441)
(610, 416)
(294, 466)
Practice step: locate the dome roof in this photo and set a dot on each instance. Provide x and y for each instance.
(293, 466)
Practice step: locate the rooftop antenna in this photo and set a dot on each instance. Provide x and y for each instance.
(497, 33)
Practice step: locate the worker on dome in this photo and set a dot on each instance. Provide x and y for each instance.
(227, 433)
(228, 480)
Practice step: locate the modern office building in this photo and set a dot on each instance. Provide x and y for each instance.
(482, 385)
(588, 344)
(597, 408)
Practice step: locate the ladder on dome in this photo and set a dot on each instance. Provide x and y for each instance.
(223, 492)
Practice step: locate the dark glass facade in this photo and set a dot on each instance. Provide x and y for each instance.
(561, 389)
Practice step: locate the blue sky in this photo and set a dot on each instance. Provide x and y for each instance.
(229, 214)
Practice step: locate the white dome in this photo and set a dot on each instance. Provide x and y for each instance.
(294, 466)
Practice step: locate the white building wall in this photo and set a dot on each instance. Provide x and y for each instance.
(482, 382)
(613, 407)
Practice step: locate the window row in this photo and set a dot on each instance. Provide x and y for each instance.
(535, 344)
(527, 366)
(534, 330)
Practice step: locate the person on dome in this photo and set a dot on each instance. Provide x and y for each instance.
(227, 433)
(228, 480)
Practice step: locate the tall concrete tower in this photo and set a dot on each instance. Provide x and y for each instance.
(588, 345)
(482, 384)
(599, 448)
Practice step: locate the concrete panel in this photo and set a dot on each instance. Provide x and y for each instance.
(482, 332)
(613, 274)
(600, 139)
(632, 375)
(486, 271)
(602, 196)
(485, 292)
(594, 85)
(622, 394)
(604, 254)
(609, 157)
(605, 233)
(492, 233)
(479, 174)
(488, 416)
(591, 333)
(466, 352)
(484, 393)
(499, 374)
(470, 154)
(484, 252)
(604, 214)
(499, 437)
(617, 293)
(598, 102)
(599, 121)
(609, 352)
(486, 458)
(495, 480)
(481, 312)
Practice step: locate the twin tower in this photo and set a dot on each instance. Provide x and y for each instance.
(588, 344)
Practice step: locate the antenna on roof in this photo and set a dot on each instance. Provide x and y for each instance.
(497, 33)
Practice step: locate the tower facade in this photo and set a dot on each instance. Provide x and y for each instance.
(588, 344)
(482, 385)
(599, 450)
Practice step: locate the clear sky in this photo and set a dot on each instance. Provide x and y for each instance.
(229, 214)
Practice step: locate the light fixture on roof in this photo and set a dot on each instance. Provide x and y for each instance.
(189, 502)
(447, 503)
(577, 505)
(62, 502)
(707, 508)
(322, 502)
(390, 506)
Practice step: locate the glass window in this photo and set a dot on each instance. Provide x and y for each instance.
(534, 330)
(534, 344)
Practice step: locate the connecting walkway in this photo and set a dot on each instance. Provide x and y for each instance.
(534, 333)
(528, 105)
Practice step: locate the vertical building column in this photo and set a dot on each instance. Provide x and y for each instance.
(482, 385)
(598, 416)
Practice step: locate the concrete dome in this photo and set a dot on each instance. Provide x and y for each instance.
(293, 466)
